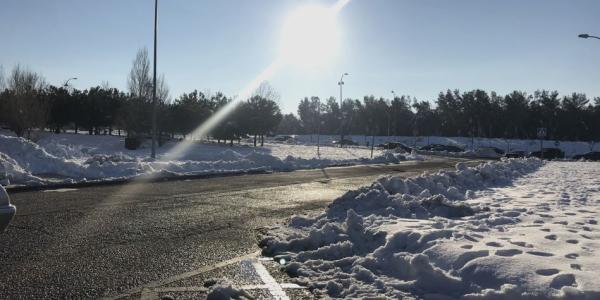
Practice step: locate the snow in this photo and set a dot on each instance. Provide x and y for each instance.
(225, 290)
(77, 158)
(513, 229)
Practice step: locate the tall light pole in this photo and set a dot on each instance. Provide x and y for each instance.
(587, 36)
(389, 114)
(67, 82)
(154, 104)
(319, 128)
(341, 84)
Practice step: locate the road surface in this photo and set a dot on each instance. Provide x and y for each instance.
(112, 241)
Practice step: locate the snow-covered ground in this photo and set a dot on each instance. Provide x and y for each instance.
(80, 157)
(514, 229)
(569, 147)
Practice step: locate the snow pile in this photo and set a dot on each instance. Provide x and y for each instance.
(22, 159)
(79, 158)
(225, 290)
(514, 229)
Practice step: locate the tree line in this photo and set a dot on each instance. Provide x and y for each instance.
(27, 102)
(473, 113)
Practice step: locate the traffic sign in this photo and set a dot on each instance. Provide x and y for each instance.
(541, 132)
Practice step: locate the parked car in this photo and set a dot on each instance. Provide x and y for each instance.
(7, 210)
(3, 176)
(594, 156)
(283, 138)
(494, 149)
(439, 147)
(395, 145)
(345, 142)
(548, 153)
(516, 154)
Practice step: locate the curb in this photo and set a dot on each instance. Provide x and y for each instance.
(150, 179)
(139, 179)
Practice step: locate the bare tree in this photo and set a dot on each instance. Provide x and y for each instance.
(140, 81)
(105, 85)
(1, 78)
(23, 108)
(162, 90)
(265, 90)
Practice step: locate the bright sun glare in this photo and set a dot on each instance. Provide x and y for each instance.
(310, 36)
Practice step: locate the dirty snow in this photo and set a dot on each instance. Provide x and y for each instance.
(77, 158)
(514, 229)
(225, 290)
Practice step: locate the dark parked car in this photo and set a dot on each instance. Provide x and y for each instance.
(345, 142)
(548, 153)
(516, 154)
(594, 156)
(7, 210)
(394, 145)
(496, 150)
(438, 147)
(283, 138)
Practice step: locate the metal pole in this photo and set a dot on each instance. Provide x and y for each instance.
(587, 36)
(319, 128)
(389, 113)
(67, 82)
(389, 120)
(154, 104)
(341, 83)
(372, 144)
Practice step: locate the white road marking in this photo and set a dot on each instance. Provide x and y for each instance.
(151, 290)
(272, 285)
(148, 294)
(59, 190)
(290, 286)
(158, 283)
(181, 289)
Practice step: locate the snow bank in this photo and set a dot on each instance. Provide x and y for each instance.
(465, 234)
(77, 158)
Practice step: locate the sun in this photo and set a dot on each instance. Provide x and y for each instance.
(310, 36)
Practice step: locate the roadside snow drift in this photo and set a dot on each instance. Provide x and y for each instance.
(514, 229)
(77, 158)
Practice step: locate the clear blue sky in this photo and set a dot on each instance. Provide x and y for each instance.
(417, 47)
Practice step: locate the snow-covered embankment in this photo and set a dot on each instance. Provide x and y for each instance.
(71, 158)
(501, 230)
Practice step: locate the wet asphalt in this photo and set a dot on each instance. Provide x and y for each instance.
(111, 240)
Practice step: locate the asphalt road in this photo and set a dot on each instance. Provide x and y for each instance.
(107, 240)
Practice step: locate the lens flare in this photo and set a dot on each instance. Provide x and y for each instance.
(203, 130)
(112, 203)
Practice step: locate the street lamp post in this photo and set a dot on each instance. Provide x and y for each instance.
(388, 113)
(341, 84)
(319, 128)
(154, 104)
(67, 82)
(587, 36)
